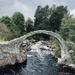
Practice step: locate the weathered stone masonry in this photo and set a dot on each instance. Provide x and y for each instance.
(13, 48)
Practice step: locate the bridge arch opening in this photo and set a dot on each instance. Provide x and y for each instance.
(51, 42)
(65, 56)
(57, 36)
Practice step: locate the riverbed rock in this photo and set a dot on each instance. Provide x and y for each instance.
(40, 61)
(13, 47)
(10, 57)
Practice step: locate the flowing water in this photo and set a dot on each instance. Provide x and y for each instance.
(39, 62)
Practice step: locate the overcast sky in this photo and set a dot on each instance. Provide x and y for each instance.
(28, 7)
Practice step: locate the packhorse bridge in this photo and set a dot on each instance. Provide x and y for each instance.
(11, 52)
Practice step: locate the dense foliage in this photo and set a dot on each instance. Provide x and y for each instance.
(18, 20)
(57, 14)
(5, 32)
(55, 18)
(67, 28)
(29, 25)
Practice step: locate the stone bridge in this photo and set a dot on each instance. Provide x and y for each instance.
(13, 49)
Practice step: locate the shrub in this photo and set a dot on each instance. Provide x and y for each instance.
(71, 48)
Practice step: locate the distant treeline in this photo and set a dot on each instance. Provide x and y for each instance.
(55, 18)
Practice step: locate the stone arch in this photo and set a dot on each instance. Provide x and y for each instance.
(57, 36)
(65, 56)
(13, 47)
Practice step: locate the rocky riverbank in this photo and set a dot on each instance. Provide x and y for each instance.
(10, 57)
(40, 61)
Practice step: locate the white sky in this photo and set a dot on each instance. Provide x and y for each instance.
(28, 7)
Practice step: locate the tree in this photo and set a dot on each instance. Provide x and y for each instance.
(18, 20)
(67, 29)
(42, 18)
(29, 25)
(49, 18)
(5, 32)
(7, 21)
(41, 21)
(10, 25)
(56, 15)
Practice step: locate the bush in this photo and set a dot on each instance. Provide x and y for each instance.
(58, 52)
(71, 48)
(70, 45)
(5, 33)
(55, 46)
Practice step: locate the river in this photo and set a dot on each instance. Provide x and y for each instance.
(39, 62)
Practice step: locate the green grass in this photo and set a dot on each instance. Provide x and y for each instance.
(1, 40)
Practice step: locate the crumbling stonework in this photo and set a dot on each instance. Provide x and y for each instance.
(13, 52)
